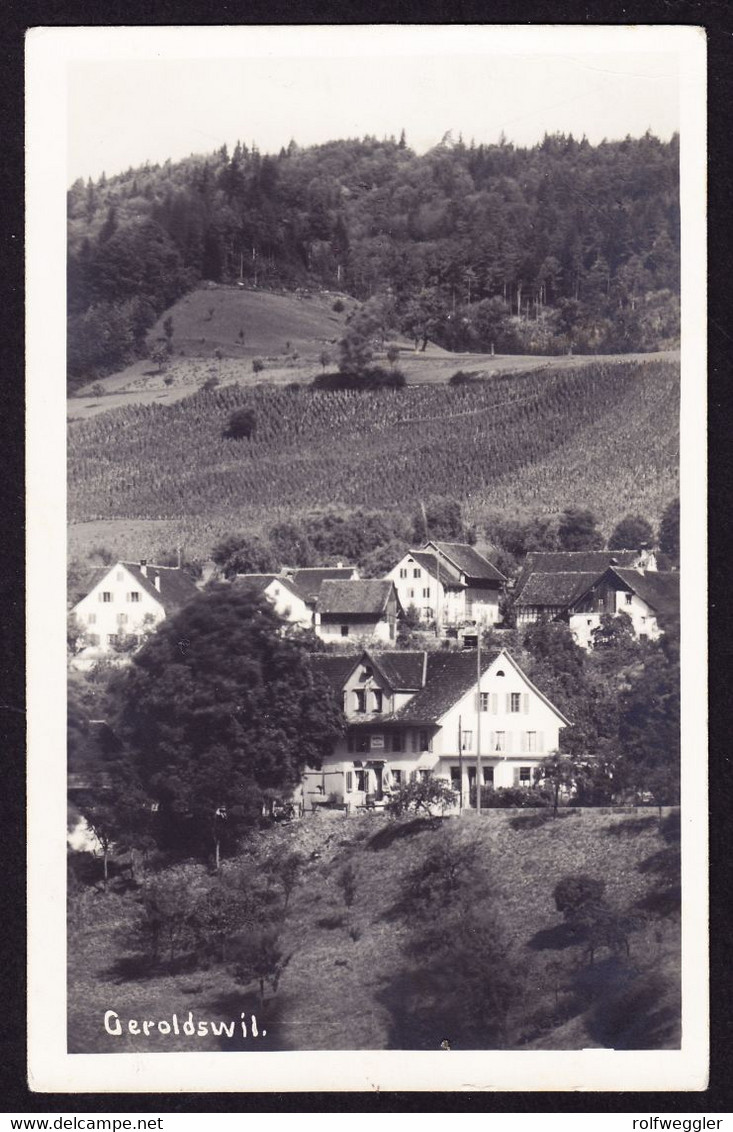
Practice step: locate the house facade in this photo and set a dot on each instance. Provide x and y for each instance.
(364, 609)
(288, 601)
(415, 714)
(124, 602)
(449, 583)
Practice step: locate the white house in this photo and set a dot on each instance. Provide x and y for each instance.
(363, 610)
(423, 713)
(449, 582)
(281, 591)
(581, 562)
(646, 597)
(124, 601)
(582, 599)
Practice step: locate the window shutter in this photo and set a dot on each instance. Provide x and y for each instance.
(525, 703)
(491, 740)
(516, 776)
(508, 703)
(413, 776)
(494, 703)
(523, 742)
(509, 742)
(540, 741)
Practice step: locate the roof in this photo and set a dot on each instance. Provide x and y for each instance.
(556, 589)
(176, 586)
(449, 676)
(469, 561)
(261, 582)
(336, 669)
(572, 561)
(403, 670)
(309, 580)
(368, 597)
(659, 589)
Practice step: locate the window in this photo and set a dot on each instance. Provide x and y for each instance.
(412, 593)
(628, 598)
(499, 740)
(484, 701)
(105, 596)
(119, 576)
(525, 776)
(378, 699)
(531, 741)
(121, 618)
(425, 742)
(426, 591)
(134, 595)
(397, 777)
(349, 781)
(362, 744)
(403, 571)
(92, 619)
(397, 744)
(515, 701)
(488, 773)
(417, 572)
(112, 639)
(344, 630)
(360, 696)
(500, 672)
(467, 740)
(361, 780)
(413, 741)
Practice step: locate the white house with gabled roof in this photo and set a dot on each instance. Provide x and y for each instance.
(126, 600)
(449, 582)
(429, 713)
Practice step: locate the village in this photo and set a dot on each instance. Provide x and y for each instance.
(450, 710)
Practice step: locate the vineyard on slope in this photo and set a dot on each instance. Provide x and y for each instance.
(604, 436)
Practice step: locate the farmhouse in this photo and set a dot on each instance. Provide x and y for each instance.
(449, 582)
(415, 714)
(645, 597)
(582, 599)
(366, 609)
(124, 601)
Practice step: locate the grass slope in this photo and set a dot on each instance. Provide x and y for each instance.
(350, 983)
(601, 436)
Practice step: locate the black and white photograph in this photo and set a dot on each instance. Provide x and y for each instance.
(367, 458)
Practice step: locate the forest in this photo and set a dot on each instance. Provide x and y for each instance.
(560, 246)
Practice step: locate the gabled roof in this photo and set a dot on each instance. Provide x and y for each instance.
(404, 671)
(336, 669)
(176, 586)
(310, 579)
(556, 589)
(572, 561)
(428, 560)
(449, 676)
(367, 597)
(261, 582)
(468, 560)
(659, 589)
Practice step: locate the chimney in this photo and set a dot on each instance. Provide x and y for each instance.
(156, 581)
(144, 567)
(339, 565)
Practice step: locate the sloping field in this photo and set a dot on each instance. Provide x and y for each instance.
(352, 983)
(601, 436)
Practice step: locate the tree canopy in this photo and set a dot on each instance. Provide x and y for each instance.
(218, 707)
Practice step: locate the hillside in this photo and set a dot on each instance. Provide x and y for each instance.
(599, 436)
(353, 981)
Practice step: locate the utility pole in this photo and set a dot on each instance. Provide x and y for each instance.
(460, 765)
(478, 721)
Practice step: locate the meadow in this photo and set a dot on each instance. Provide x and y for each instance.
(353, 980)
(604, 436)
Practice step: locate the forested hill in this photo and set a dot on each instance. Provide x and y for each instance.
(562, 245)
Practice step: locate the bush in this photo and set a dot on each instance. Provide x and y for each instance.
(463, 377)
(511, 797)
(338, 306)
(372, 377)
(242, 425)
